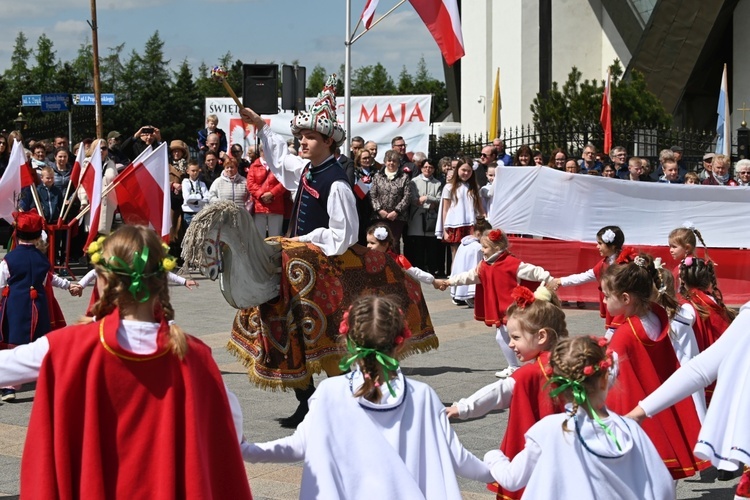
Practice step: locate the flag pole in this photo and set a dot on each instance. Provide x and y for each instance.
(376, 22)
(348, 78)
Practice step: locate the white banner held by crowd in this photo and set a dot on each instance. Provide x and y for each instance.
(374, 118)
(545, 202)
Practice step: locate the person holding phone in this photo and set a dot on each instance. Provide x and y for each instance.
(146, 136)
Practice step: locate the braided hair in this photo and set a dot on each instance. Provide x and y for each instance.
(640, 279)
(374, 322)
(123, 244)
(700, 274)
(570, 357)
(685, 237)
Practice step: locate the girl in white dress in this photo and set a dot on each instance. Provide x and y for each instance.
(468, 256)
(372, 433)
(605, 455)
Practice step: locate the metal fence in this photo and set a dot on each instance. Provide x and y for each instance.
(639, 140)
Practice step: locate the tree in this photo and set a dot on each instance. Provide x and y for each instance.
(405, 82)
(83, 66)
(18, 75)
(424, 83)
(315, 80)
(372, 80)
(185, 99)
(43, 74)
(111, 70)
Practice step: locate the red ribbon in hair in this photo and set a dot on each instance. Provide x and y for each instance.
(495, 235)
(522, 296)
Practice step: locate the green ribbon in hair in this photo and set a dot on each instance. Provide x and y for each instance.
(389, 364)
(138, 288)
(581, 398)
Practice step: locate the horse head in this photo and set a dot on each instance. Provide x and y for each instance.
(224, 241)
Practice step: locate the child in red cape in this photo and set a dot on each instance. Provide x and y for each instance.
(646, 359)
(499, 273)
(128, 405)
(380, 239)
(609, 242)
(535, 323)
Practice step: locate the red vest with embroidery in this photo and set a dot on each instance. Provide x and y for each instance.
(492, 295)
(109, 423)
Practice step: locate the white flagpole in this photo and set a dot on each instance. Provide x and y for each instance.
(348, 78)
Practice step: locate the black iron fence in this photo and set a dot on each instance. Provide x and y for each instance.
(639, 140)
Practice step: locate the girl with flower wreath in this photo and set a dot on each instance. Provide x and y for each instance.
(535, 324)
(373, 433)
(496, 277)
(647, 358)
(610, 242)
(604, 455)
(380, 239)
(460, 204)
(128, 394)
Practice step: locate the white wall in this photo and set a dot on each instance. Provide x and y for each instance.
(738, 87)
(505, 34)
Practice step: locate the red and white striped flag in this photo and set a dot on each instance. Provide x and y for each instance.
(75, 172)
(361, 189)
(606, 117)
(444, 22)
(91, 180)
(143, 192)
(369, 13)
(18, 175)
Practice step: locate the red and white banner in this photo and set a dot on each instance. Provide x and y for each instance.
(444, 22)
(605, 118)
(369, 12)
(375, 118)
(91, 180)
(542, 201)
(18, 175)
(143, 192)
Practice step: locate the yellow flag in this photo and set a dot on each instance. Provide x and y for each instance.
(494, 127)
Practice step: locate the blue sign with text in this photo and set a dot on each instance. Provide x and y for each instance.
(90, 99)
(55, 102)
(31, 100)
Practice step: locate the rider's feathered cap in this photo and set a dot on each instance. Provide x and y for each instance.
(322, 115)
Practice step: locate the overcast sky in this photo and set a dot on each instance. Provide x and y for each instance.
(255, 31)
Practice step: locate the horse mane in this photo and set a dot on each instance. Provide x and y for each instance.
(192, 244)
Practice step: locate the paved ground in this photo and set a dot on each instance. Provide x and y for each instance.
(466, 360)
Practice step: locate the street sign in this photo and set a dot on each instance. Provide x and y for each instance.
(90, 99)
(55, 102)
(31, 100)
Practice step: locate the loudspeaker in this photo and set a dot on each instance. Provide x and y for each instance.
(260, 83)
(293, 87)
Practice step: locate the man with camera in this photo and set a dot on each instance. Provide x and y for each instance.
(147, 136)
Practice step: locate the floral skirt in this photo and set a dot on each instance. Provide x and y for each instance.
(456, 234)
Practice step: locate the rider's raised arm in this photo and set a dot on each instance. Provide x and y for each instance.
(286, 167)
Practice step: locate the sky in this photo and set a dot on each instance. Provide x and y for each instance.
(254, 31)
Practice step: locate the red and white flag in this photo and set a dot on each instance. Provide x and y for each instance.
(91, 181)
(75, 172)
(369, 12)
(444, 22)
(18, 175)
(361, 189)
(143, 192)
(606, 117)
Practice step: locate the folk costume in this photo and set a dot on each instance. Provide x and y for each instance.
(23, 274)
(724, 438)
(461, 215)
(495, 278)
(117, 415)
(524, 393)
(595, 465)
(468, 256)
(409, 436)
(646, 359)
(324, 212)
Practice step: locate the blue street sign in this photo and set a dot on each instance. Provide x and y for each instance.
(55, 102)
(31, 100)
(90, 99)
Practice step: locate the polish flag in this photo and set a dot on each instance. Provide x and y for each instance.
(443, 20)
(369, 13)
(143, 192)
(75, 172)
(91, 181)
(361, 189)
(18, 175)
(606, 116)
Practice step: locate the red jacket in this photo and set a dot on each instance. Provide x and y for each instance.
(259, 181)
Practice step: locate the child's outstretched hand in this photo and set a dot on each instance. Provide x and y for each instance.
(190, 284)
(440, 284)
(75, 290)
(553, 284)
(452, 411)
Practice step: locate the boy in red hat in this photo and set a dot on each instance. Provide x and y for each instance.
(24, 315)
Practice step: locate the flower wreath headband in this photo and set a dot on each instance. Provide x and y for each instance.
(138, 288)
(580, 396)
(389, 364)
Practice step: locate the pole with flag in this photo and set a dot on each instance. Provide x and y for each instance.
(91, 180)
(73, 182)
(606, 116)
(18, 175)
(494, 128)
(723, 132)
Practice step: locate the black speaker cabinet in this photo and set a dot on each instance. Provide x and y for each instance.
(260, 88)
(293, 87)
